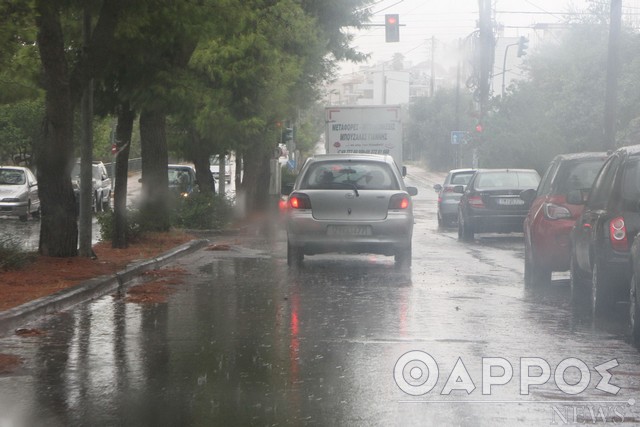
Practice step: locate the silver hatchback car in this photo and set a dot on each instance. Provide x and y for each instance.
(352, 203)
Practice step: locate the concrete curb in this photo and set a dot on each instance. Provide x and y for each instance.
(90, 289)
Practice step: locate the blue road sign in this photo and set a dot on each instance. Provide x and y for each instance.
(459, 137)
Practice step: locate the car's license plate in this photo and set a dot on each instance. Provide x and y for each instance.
(349, 230)
(511, 202)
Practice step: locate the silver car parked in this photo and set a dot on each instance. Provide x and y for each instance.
(18, 192)
(448, 200)
(353, 203)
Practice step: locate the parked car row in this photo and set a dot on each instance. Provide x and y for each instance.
(100, 185)
(582, 216)
(18, 192)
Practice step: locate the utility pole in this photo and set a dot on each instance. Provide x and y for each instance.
(486, 50)
(613, 69)
(432, 81)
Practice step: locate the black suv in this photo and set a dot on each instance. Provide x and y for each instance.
(603, 234)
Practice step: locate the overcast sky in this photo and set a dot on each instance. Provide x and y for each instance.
(450, 20)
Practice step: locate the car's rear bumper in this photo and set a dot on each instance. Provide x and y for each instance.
(497, 223)
(312, 237)
(551, 244)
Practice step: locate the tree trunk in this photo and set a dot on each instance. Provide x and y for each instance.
(199, 154)
(155, 180)
(124, 129)
(59, 225)
(256, 178)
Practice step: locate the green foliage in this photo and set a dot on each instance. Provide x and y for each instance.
(559, 108)
(20, 129)
(428, 126)
(12, 256)
(202, 212)
(106, 221)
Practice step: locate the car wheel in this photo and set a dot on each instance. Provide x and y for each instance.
(403, 258)
(634, 312)
(106, 203)
(534, 274)
(98, 203)
(601, 295)
(26, 216)
(577, 280)
(464, 230)
(294, 255)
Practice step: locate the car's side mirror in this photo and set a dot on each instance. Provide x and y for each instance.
(437, 187)
(413, 191)
(576, 197)
(458, 189)
(528, 195)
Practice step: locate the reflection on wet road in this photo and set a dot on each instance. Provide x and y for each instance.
(244, 340)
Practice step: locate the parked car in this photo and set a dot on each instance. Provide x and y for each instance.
(603, 234)
(215, 168)
(551, 217)
(448, 199)
(18, 192)
(491, 201)
(182, 180)
(353, 203)
(634, 294)
(100, 184)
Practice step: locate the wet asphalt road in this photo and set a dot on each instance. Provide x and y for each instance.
(347, 340)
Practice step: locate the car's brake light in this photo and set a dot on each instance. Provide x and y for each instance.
(618, 234)
(553, 211)
(476, 201)
(299, 201)
(399, 201)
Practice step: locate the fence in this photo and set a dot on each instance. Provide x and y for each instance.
(135, 165)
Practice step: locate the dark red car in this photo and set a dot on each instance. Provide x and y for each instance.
(551, 218)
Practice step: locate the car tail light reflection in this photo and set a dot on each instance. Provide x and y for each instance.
(399, 201)
(618, 234)
(553, 211)
(299, 201)
(476, 201)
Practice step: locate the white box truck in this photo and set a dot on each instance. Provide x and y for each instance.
(373, 129)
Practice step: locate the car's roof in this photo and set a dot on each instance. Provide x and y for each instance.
(453, 171)
(506, 170)
(630, 149)
(352, 156)
(579, 156)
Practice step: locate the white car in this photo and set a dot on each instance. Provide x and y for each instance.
(215, 168)
(352, 203)
(100, 182)
(18, 192)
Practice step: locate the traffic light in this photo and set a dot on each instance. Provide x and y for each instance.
(392, 28)
(287, 135)
(523, 43)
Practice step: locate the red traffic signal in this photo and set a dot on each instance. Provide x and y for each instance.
(392, 28)
(479, 128)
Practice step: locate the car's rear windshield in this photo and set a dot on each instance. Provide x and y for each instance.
(461, 178)
(508, 179)
(578, 175)
(336, 175)
(12, 177)
(631, 185)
